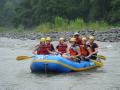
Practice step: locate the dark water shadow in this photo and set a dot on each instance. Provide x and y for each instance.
(43, 74)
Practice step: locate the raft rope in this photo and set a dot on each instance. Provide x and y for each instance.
(97, 64)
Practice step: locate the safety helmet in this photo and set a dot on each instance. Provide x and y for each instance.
(48, 39)
(42, 40)
(76, 33)
(84, 38)
(61, 39)
(73, 40)
(91, 37)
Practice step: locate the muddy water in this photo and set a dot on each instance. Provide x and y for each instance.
(16, 75)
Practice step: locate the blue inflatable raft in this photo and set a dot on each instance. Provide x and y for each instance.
(54, 63)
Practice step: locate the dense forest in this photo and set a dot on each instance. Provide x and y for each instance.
(31, 13)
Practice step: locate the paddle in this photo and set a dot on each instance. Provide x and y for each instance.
(28, 57)
(101, 57)
(22, 57)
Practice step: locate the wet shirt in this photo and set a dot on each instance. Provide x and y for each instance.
(78, 41)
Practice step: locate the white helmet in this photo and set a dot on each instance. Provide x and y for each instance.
(76, 33)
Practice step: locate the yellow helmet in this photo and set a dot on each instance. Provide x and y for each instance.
(73, 40)
(91, 37)
(61, 39)
(84, 38)
(48, 39)
(42, 40)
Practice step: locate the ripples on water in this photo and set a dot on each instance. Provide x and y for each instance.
(16, 75)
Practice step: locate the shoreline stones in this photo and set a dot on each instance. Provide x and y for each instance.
(112, 35)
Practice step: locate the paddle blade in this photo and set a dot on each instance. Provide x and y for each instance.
(99, 64)
(101, 57)
(22, 57)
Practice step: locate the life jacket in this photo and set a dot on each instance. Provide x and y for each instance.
(42, 49)
(62, 48)
(83, 50)
(49, 46)
(73, 50)
(78, 41)
(92, 47)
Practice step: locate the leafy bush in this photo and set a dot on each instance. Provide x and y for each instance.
(60, 24)
(97, 25)
(2, 29)
(20, 29)
(44, 28)
(77, 24)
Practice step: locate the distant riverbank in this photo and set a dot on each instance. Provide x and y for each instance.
(112, 35)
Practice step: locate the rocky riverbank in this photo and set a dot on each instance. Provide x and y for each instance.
(112, 35)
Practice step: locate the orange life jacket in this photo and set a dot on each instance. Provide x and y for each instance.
(73, 51)
(83, 50)
(42, 49)
(62, 48)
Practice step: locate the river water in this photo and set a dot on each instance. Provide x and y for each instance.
(16, 75)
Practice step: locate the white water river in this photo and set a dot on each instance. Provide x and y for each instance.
(16, 75)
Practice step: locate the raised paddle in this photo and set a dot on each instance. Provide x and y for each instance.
(22, 57)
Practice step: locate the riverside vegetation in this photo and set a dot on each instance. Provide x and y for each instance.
(101, 30)
(32, 19)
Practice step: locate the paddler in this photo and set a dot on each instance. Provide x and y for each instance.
(62, 46)
(74, 51)
(78, 39)
(42, 48)
(84, 49)
(93, 48)
(49, 44)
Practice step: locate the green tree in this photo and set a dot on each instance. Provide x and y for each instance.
(114, 14)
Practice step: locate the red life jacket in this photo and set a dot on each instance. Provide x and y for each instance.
(62, 48)
(49, 46)
(83, 50)
(73, 51)
(78, 41)
(42, 49)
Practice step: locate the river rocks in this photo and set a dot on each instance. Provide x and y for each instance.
(112, 35)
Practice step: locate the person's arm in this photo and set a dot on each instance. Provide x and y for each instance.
(50, 52)
(79, 51)
(66, 48)
(57, 48)
(95, 52)
(52, 47)
(35, 49)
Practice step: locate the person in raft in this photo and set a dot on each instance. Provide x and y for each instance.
(78, 39)
(84, 50)
(49, 44)
(73, 52)
(93, 48)
(62, 46)
(42, 48)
